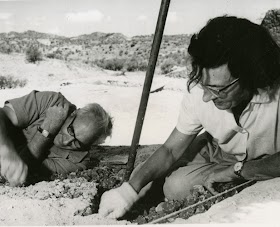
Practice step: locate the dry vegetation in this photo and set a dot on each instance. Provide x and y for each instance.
(106, 51)
(109, 51)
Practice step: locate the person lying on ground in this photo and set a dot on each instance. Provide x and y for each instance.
(48, 134)
(228, 127)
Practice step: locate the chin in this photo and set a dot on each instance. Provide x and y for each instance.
(223, 106)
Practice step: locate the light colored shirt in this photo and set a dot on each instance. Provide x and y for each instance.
(259, 131)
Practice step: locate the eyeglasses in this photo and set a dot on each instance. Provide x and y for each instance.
(218, 92)
(71, 132)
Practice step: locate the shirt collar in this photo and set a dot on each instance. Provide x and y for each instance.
(262, 97)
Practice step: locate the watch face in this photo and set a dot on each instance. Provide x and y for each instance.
(238, 166)
(45, 133)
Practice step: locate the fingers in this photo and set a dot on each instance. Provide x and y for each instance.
(211, 189)
(23, 175)
(115, 214)
(112, 213)
(104, 212)
(209, 184)
(16, 177)
(109, 208)
(14, 170)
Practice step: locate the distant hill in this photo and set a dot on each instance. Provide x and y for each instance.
(114, 51)
(105, 38)
(98, 48)
(29, 35)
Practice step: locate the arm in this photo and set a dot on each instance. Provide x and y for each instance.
(36, 148)
(12, 166)
(262, 169)
(161, 161)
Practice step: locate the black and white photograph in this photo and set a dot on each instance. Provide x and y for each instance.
(131, 112)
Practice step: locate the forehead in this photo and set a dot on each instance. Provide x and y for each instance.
(216, 76)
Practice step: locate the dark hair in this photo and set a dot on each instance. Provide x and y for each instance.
(249, 50)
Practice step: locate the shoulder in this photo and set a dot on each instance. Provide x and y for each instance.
(194, 95)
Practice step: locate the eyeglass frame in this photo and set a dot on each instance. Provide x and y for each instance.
(71, 132)
(218, 90)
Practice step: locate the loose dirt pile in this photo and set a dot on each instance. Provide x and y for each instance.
(73, 199)
(63, 201)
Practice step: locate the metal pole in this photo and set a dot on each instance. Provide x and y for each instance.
(147, 86)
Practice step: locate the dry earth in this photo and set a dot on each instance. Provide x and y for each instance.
(45, 204)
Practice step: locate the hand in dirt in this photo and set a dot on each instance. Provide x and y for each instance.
(116, 202)
(13, 169)
(55, 117)
(225, 174)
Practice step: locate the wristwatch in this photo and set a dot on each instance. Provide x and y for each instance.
(44, 132)
(238, 166)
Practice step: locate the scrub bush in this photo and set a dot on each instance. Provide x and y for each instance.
(167, 65)
(7, 82)
(33, 54)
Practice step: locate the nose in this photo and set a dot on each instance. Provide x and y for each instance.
(208, 96)
(67, 140)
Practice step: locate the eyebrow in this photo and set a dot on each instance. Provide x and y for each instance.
(212, 85)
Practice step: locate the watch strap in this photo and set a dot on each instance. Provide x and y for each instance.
(44, 132)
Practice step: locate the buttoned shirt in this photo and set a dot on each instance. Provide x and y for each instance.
(256, 135)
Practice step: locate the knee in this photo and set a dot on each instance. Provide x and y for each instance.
(174, 188)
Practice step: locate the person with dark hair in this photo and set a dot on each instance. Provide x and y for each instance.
(48, 134)
(228, 125)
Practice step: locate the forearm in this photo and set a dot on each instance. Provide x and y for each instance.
(39, 144)
(155, 167)
(36, 149)
(262, 169)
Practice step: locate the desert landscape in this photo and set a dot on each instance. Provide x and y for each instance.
(110, 69)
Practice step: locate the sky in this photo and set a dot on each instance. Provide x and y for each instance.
(130, 17)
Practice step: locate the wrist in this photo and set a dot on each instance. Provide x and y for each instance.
(45, 132)
(237, 169)
(49, 126)
(127, 191)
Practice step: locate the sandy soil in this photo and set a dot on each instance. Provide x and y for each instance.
(46, 203)
(257, 204)
(49, 203)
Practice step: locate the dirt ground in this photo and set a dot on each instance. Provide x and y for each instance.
(59, 202)
(257, 204)
(49, 203)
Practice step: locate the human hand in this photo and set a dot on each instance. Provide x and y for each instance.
(55, 117)
(225, 174)
(13, 169)
(116, 202)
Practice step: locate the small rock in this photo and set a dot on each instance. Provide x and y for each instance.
(159, 207)
(200, 209)
(198, 190)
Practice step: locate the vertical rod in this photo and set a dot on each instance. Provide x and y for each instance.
(147, 86)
